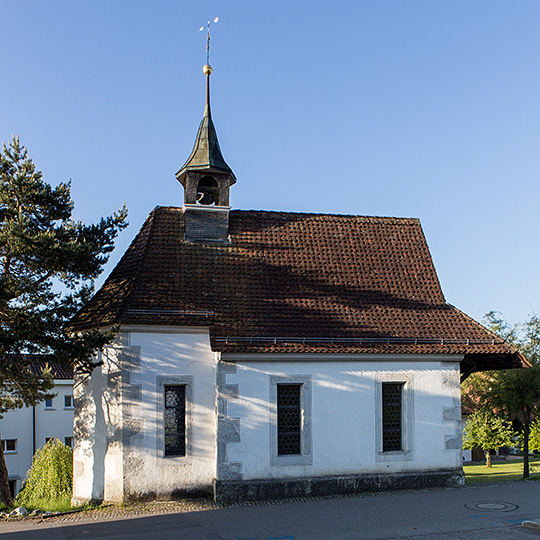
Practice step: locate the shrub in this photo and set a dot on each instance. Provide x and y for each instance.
(50, 477)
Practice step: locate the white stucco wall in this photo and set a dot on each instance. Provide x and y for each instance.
(18, 425)
(120, 451)
(97, 419)
(344, 416)
(54, 421)
(175, 357)
(231, 428)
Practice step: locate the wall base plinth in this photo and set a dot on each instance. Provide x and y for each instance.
(230, 491)
(79, 501)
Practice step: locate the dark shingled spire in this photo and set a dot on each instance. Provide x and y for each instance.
(206, 154)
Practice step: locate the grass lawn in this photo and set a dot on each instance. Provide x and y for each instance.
(501, 471)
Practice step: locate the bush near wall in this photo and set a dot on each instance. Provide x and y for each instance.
(50, 477)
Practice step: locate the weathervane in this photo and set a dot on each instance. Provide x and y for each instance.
(208, 39)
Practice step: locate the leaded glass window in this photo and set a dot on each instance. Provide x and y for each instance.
(289, 419)
(175, 420)
(392, 416)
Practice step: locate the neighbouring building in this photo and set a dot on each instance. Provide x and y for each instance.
(271, 354)
(24, 430)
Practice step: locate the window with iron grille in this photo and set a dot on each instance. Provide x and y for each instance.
(175, 420)
(392, 417)
(289, 419)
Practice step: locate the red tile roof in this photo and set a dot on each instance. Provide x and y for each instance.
(58, 371)
(292, 283)
(38, 362)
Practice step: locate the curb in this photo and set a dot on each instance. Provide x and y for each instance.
(534, 525)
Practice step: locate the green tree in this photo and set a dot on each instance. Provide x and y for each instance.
(513, 394)
(534, 436)
(488, 432)
(48, 263)
(517, 396)
(528, 340)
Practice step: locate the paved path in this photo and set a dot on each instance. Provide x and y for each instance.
(493, 511)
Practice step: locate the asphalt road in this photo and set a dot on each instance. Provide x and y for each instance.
(491, 512)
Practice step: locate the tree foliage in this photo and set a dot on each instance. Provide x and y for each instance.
(525, 336)
(48, 263)
(512, 394)
(534, 437)
(50, 477)
(487, 431)
(528, 341)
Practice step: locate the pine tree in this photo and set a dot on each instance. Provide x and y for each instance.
(48, 263)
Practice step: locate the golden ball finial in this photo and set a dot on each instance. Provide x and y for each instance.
(207, 69)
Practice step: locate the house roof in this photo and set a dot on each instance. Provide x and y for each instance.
(294, 283)
(39, 362)
(58, 371)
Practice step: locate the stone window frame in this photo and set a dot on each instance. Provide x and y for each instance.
(161, 382)
(306, 456)
(407, 417)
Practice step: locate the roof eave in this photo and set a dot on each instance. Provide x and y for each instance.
(181, 174)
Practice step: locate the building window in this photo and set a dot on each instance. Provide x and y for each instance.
(47, 439)
(290, 425)
(9, 445)
(289, 419)
(12, 487)
(392, 417)
(68, 402)
(49, 403)
(175, 420)
(68, 441)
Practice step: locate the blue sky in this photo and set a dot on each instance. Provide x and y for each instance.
(414, 108)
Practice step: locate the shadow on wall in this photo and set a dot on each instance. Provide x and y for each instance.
(92, 426)
(101, 421)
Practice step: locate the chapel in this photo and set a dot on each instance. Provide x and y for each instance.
(265, 354)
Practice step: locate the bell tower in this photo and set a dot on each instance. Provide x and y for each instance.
(207, 179)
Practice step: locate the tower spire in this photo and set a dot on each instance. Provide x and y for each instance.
(205, 175)
(206, 153)
(207, 69)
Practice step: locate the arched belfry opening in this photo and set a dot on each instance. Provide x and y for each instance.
(208, 191)
(206, 179)
(205, 189)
